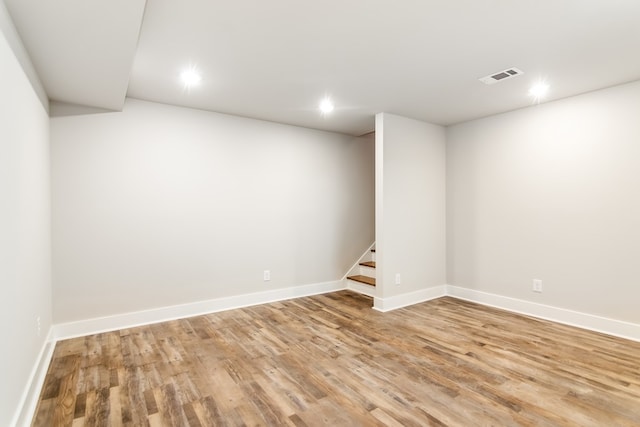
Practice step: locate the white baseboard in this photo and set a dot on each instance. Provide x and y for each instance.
(139, 318)
(404, 300)
(583, 320)
(605, 325)
(29, 399)
(591, 322)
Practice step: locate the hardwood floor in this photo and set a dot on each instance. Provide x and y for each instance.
(332, 360)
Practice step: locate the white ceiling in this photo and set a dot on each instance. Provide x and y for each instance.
(275, 60)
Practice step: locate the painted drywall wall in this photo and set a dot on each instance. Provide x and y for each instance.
(410, 206)
(25, 246)
(550, 192)
(159, 205)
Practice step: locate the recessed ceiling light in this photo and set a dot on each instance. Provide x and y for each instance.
(539, 90)
(190, 77)
(326, 106)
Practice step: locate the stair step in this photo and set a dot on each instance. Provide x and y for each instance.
(371, 264)
(363, 279)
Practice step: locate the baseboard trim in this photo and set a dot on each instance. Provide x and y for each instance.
(163, 314)
(127, 320)
(410, 298)
(29, 400)
(578, 319)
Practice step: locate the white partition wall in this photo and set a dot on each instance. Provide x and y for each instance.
(410, 211)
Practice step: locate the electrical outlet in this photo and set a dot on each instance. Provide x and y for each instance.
(398, 279)
(537, 285)
(266, 275)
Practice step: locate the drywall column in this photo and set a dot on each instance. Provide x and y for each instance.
(410, 211)
(25, 254)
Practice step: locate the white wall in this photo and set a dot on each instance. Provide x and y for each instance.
(159, 205)
(25, 257)
(550, 192)
(410, 206)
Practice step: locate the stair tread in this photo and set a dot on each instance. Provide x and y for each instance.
(363, 279)
(371, 264)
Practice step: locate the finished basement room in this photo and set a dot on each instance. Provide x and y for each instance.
(285, 213)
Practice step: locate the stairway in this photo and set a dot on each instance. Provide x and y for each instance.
(362, 278)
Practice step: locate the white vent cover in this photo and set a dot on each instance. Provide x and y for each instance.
(501, 75)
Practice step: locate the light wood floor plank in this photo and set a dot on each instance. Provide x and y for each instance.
(332, 360)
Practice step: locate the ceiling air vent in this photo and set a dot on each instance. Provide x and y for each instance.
(500, 76)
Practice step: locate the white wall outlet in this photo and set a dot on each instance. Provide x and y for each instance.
(39, 325)
(537, 285)
(398, 279)
(266, 275)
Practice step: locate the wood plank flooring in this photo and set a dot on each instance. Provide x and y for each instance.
(330, 360)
